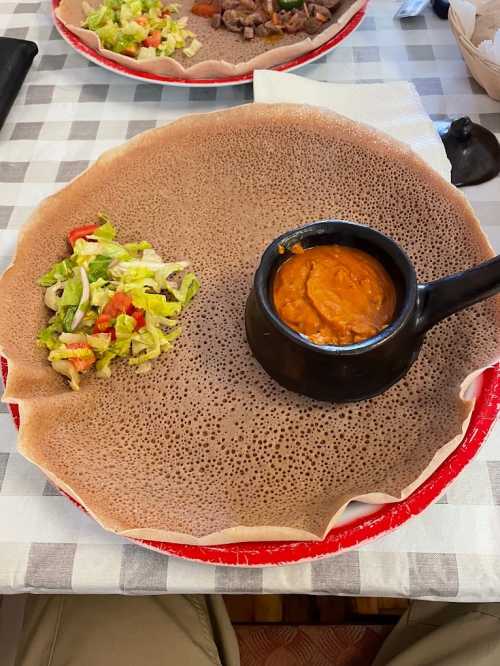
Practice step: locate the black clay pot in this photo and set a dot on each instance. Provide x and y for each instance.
(359, 371)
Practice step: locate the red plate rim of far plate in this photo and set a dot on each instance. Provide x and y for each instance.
(101, 60)
(355, 532)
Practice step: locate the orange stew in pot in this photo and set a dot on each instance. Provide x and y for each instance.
(334, 294)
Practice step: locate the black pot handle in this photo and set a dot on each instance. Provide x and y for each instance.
(442, 298)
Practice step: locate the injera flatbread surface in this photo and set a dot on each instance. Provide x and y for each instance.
(207, 448)
(223, 54)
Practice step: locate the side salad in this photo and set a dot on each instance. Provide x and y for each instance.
(141, 29)
(111, 300)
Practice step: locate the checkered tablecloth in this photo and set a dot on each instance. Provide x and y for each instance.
(69, 112)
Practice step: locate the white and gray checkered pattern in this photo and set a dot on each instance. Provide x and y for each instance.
(69, 112)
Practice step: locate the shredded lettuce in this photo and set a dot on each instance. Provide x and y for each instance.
(49, 336)
(72, 292)
(99, 17)
(155, 304)
(99, 341)
(100, 293)
(105, 231)
(192, 49)
(67, 318)
(134, 248)
(167, 270)
(64, 352)
(188, 289)
(98, 268)
(58, 273)
(108, 34)
(85, 249)
(125, 26)
(103, 365)
(69, 338)
(124, 328)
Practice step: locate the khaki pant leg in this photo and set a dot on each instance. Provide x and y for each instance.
(444, 634)
(105, 630)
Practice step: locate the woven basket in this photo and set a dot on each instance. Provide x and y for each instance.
(486, 73)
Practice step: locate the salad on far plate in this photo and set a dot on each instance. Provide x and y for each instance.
(141, 29)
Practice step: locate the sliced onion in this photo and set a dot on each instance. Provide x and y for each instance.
(70, 338)
(84, 300)
(52, 295)
(66, 368)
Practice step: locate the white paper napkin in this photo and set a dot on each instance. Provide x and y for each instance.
(394, 108)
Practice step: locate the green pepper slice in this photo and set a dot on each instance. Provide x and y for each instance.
(287, 5)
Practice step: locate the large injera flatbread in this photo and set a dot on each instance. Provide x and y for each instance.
(207, 448)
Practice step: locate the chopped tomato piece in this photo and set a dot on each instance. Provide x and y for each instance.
(102, 324)
(81, 364)
(81, 232)
(141, 20)
(153, 39)
(205, 9)
(140, 320)
(121, 303)
(109, 330)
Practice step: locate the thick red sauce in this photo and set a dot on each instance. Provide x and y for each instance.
(334, 294)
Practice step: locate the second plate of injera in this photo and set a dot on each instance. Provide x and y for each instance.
(124, 69)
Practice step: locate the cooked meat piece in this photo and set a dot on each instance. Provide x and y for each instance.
(232, 20)
(262, 31)
(216, 21)
(295, 23)
(256, 18)
(329, 4)
(230, 4)
(323, 14)
(273, 29)
(312, 26)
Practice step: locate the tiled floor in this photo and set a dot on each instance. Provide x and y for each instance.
(285, 645)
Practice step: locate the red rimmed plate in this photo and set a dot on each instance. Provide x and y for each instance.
(356, 530)
(289, 66)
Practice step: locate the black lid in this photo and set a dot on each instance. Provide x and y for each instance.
(473, 151)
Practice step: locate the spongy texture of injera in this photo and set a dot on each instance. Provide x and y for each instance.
(224, 53)
(207, 448)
